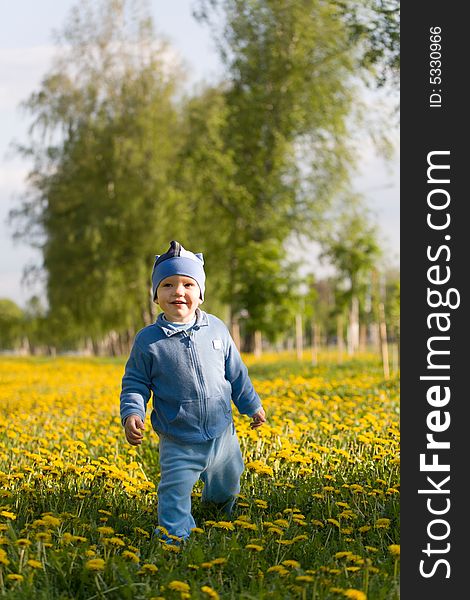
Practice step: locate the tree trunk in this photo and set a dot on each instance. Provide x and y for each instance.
(383, 341)
(235, 326)
(315, 342)
(362, 337)
(340, 338)
(299, 339)
(258, 350)
(353, 327)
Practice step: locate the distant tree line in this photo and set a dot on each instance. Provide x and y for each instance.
(124, 160)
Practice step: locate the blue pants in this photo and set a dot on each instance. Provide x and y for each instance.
(218, 463)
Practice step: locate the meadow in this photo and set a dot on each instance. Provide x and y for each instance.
(317, 517)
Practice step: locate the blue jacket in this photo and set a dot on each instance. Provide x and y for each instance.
(193, 376)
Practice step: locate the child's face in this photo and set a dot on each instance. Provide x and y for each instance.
(178, 297)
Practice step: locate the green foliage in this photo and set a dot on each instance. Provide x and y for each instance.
(100, 197)
(122, 164)
(11, 321)
(351, 245)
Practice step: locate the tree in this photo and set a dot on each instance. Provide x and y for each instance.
(11, 324)
(102, 141)
(352, 247)
(288, 97)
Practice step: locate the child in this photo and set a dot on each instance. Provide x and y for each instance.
(189, 362)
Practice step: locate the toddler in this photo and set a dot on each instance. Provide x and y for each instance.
(190, 364)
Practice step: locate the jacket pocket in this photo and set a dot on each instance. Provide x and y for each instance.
(188, 418)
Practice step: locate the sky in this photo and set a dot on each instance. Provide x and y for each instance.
(26, 50)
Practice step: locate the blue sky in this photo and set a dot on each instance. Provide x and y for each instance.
(26, 48)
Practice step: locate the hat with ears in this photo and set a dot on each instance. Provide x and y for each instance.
(178, 261)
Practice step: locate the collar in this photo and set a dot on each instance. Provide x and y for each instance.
(201, 321)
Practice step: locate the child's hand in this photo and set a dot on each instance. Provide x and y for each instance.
(133, 428)
(258, 419)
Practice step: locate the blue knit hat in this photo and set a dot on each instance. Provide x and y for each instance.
(178, 261)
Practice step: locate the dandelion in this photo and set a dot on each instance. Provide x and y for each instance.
(279, 569)
(354, 594)
(142, 532)
(15, 577)
(23, 542)
(171, 548)
(34, 564)
(394, 550)
(179, 586)
(105, 530)
(95, 564)
(51, 520)
(8, 515)
(382, 523)
(211, 593)
(343, 554)
(197, 530)
(132, 556)
(228, 525)
(3, 558)
(254, 547)
(291, 563)
(333, 522)
(304, 578)
(148, 569)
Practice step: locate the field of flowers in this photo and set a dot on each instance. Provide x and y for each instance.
(317, 517)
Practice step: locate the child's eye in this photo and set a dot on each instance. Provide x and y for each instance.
(189, 284)
(167, 285)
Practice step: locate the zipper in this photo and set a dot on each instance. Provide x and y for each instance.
(199, 378)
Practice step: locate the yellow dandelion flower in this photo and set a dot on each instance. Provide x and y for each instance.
(364, 529)
(353, 569)
(254, 547)
(277, 530)
(95, 564)
(343, 554)
(142, 532)
(291, 563)
(197, 530)
(281, 522)
(354, 594)
(171, 548)
(8, 515)
(219, 561)
(304, 578)
(394, 550)
(51, 520)
(34, 564)
(382, 523)
(179, 586)
(115, 541)
(279, 569)
(23, 542)
(148, 569)
(228, 525)
(15, 577)
(210, 592)
(3, 558)
(132, 556)
(334, 522)
(105, 530)
(371, 548)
